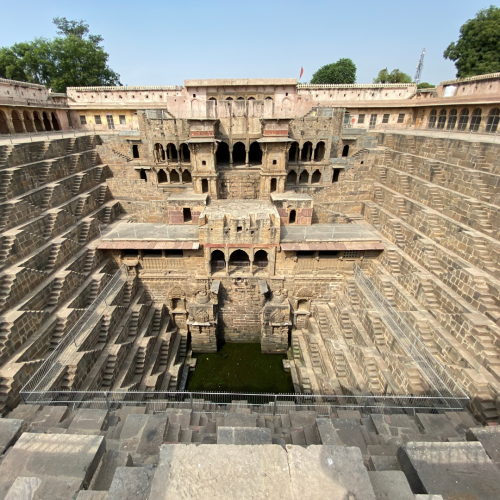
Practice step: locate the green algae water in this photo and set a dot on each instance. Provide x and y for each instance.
(240, 368)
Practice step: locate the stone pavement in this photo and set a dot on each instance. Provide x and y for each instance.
(133, 453)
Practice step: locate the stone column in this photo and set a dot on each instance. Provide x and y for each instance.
(226, 254)
(251, 260)
(299, 151)
(246, 157)
(169, 153)
(231, 157)
(208, 260)
(181, 153)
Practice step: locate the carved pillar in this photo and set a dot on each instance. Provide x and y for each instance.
(226, 254)
(246, 157)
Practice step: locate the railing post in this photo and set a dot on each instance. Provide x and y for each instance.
(107, 400)
(275, 404)
(191, 400)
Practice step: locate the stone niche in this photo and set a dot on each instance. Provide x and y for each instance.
(294, 208)
(203, 318)
(276, 323)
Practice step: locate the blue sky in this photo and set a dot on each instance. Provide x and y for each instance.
(164, 42)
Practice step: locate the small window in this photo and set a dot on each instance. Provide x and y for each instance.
(97, 119)
(186, 212)
(111, 123)
(83, 120)
(328, 254)
(151, 253)
(292, 217)
(194, 95)
(373, 121)
(173, 253)
(122, 120)
(135, 151)
(203, 162)
(401, 118)
(274, 162)
(239, 229)
(361, 118)
(305, 254)
(385, 118)
(336, 173)
(130, 253)
(351, 254)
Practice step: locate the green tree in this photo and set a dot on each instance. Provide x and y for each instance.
(477, 50)
(73, 59)
(425, 85)
(343, 71)
(395, 76)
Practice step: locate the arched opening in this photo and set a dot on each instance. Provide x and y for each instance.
(135, 151)
(452, 120)
(441, 119)
(186, 177)
(46, 122)
(316, 177)
(304, 177)
(475, 120)
(273, 185)
(222, 154)
(291, 178)
(38, 122)
(239, 261)
(302, 305)
(294, 151)
(229, 99)
(432, 119)
(174, 177)
(28, 122)
(204, 185)
(251, 98)
(55, 122)
(186, 214)
(217, 261)
(185, 153)
(239, 154)
(142, 175)
(171, 151)
(292, 217)
(162, 176)
(260, 260)
(4, 126)
(493, 118)
(306, 151)
(269, 98)
(255, 154)
(345, 151)
(18, 124)
(213, 99)
(463, 120)
(319, 151)
(240, 99)
(159, 152)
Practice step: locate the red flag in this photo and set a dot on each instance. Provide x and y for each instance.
(301, 72)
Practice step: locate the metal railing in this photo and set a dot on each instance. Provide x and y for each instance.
(439, 380)
(265, 404)
(66, 350)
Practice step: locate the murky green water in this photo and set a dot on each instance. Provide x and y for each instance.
(240, 368)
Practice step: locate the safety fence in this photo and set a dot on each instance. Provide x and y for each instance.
(55, 364)
(265, 404)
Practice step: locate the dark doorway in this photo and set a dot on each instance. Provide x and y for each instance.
(186, 212)
(46, 122)
(293, 217)
(18, 124)
(304, 177)
(186, 177)
(260, 260)
(174, 177)
(294, 150)
(273, 185)
(38, 122)
(55, 122)
(185, 153)
(162, 176)
(306, 151)
(336, 174)
(255, 154)
(142, 175)
(204, 185)
(239, 154)
(217, 261)
(239, 261)
(222, 154)
(291, 178)
(135, 151)
(4, 127)
(319, 152)
(171, 151)
(345, 151)
(316, 177)
(28, 122)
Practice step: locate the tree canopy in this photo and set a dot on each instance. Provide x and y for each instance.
(73, 59)
(395, 76)
(425, 85)
(343, 71)
(477, 50)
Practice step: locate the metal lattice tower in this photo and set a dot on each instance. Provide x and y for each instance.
(420, 67)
